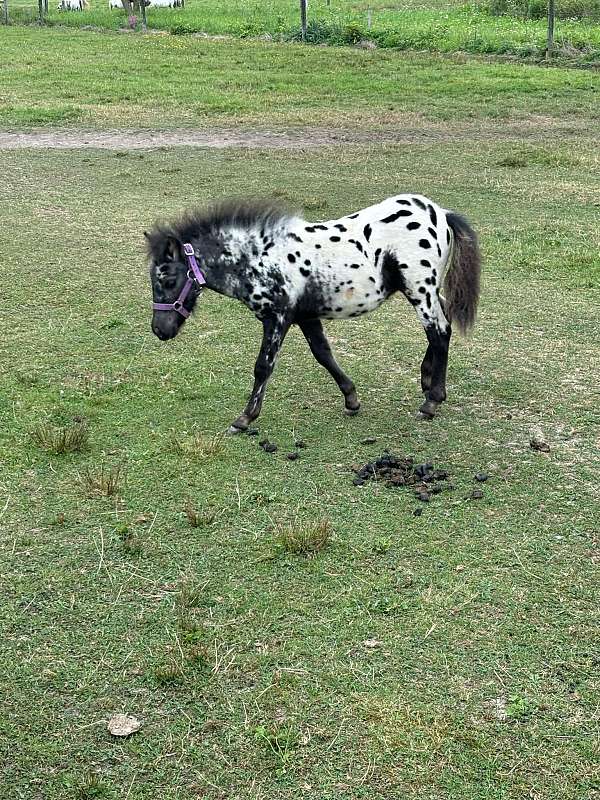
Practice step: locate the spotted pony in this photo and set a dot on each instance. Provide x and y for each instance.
(288, 271)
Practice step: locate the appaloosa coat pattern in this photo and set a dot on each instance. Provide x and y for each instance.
(289, 271)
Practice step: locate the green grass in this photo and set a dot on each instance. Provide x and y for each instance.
(452, 655)
(184, 577)
(434, 25)
(89, 79)
(538, 9)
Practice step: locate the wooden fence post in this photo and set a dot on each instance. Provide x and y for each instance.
(41, 11)
(143, 10)
(303, 4)
(5, 12)
(550, 40)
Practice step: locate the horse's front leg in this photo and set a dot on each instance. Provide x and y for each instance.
(274, 331)
(321, 350)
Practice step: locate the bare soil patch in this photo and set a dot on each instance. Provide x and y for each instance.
(300, 138)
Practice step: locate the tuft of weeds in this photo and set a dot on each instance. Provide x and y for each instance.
(279, 741)
(198, 445)
(190, 595)
(92, 787)
(169, 673)
(130, 542)
(313, 204)
(303, 538)
(192, 514)
(200, 519)
(198, 656)
(512, 161)
(518, 708)
(61, 439)
(27, 379)
(381, 545)
(105, 481)
(192, 632)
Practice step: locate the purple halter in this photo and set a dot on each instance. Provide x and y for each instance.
(197, 277)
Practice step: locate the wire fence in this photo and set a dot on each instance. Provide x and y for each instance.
(435, 24)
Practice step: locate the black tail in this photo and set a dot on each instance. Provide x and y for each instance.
(461, 282)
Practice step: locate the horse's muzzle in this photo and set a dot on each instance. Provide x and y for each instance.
(161, 334)
(165, 330)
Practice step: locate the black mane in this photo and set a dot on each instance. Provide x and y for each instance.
(264, 214)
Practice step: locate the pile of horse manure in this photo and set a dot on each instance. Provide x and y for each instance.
(423, 479)
(272, 447)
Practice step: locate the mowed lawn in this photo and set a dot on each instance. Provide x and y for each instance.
(448, 655)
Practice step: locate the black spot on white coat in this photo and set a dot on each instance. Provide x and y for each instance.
(393, 217)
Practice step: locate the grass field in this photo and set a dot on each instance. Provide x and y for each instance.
(77, 77)
(448, 655)
(433, 25)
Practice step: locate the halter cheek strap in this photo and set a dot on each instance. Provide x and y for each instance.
(194, 275)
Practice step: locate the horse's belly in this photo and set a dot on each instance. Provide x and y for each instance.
(353, 303)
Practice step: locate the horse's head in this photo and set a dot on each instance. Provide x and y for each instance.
(176, 285)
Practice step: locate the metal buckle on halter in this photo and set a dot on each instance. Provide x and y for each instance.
(188, 250)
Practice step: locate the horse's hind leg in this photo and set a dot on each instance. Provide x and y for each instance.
(321, 350)
(435, 364)
(427, 363)
(427, 369)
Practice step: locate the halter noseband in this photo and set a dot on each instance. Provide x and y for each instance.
(196, 277)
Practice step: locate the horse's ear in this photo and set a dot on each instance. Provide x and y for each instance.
(172, 249)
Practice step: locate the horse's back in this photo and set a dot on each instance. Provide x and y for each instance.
(411, 226)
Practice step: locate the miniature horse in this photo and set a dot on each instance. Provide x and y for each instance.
(289, 271)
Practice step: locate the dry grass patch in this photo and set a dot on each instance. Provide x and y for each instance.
(198, 445)
(61, 439)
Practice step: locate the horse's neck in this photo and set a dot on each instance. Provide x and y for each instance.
(233, 254)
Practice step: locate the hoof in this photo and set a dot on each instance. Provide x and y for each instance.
(428, 409)
(233, 430)
(351, 412)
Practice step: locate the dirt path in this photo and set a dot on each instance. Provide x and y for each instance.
(128, 139)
